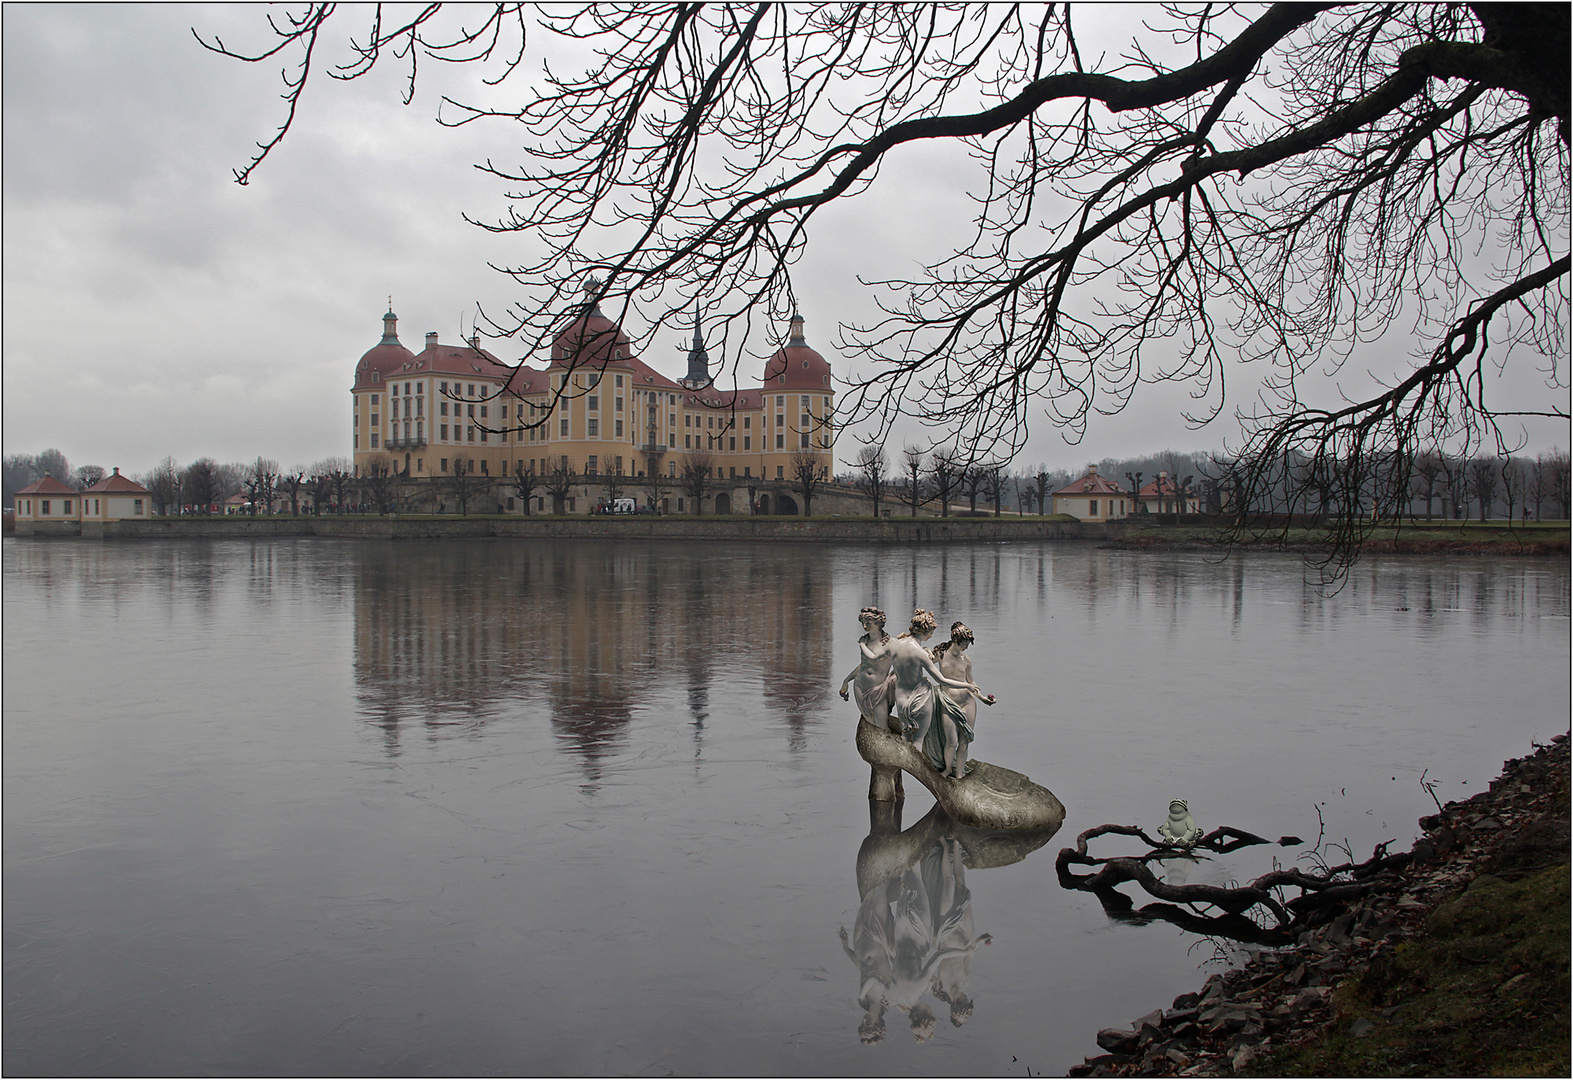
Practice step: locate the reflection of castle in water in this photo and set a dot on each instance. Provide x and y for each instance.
(913, 935)
(446, 634)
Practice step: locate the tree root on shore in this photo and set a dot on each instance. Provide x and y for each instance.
(1316, 890)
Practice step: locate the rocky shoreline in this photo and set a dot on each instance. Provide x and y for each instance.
(1350, 996)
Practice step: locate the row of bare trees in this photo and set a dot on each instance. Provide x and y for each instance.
(926, 476)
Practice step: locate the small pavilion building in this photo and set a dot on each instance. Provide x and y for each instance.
(116, 498)
(48, 506)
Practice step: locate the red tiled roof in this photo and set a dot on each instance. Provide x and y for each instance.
(1091, 484)
(1153, 490)
(115, 484)
(590, 341)
(804, 369)
(47, 486)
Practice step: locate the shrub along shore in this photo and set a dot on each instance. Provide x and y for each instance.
(1454, 964)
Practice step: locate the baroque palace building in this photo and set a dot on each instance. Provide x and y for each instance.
(451, 411)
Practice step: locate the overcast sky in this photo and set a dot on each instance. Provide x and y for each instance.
(153, 307)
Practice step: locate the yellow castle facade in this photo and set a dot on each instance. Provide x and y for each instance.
(595, 409)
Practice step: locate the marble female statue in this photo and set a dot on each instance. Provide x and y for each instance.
(873, 682)
(871, 679)
(956, 711)
(915, 677)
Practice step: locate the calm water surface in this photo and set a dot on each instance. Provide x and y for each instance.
(487, 807)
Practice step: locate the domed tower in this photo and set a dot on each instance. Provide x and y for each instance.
(798, 404)
(369, 396)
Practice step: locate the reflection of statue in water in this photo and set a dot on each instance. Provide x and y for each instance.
(872, 682)
(914, 935)
(934, 730)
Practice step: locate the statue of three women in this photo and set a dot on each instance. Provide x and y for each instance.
(928, 696)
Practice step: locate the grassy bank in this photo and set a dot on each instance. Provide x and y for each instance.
(1487, 538)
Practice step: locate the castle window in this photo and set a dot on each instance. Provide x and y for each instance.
(671, 441)
(593, 403)
(563, 429)
(780, 441)
(483, 412)
(619, 379)
(485, 465)
(594, 428)
(618, 403)
(374, 440)
(747, 439)
(732, 440)
(471, 390)
(619, 432)
(804, 437)
(445, 433)
(374, 399)
(444, 390)
(373, 419)
(780, 401)
(470, 433)
(780, 471)
(748, 422)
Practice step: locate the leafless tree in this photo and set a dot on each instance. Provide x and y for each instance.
(970, 480)
(871, 477)
(1514, 483)
(1484, 475)
(1026, 494)
(163, 484)
(1428, 469)
(293, 480)
(1274, 184)
(465, 483)
(378, 479)
(614, 482)
(655, 483)
(261, 481)
(203, 485)
(808, 475)
(912, 488)
(559, 483)
(85, 476)
(1044, 489)
(1558, 464)
(994, 484)
(524, 482)
(694, 474)
(943, 475)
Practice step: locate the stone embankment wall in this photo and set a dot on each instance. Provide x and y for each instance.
(891, 530)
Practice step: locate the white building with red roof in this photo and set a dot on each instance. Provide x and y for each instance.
(116, 498)
(1092, 498)
(596, 409)
(1164, 496)
(48, 505)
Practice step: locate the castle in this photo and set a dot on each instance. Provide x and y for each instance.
(596, 412)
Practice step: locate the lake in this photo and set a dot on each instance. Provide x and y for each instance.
(323, 807)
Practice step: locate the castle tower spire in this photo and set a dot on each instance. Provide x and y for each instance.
(698, 375)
